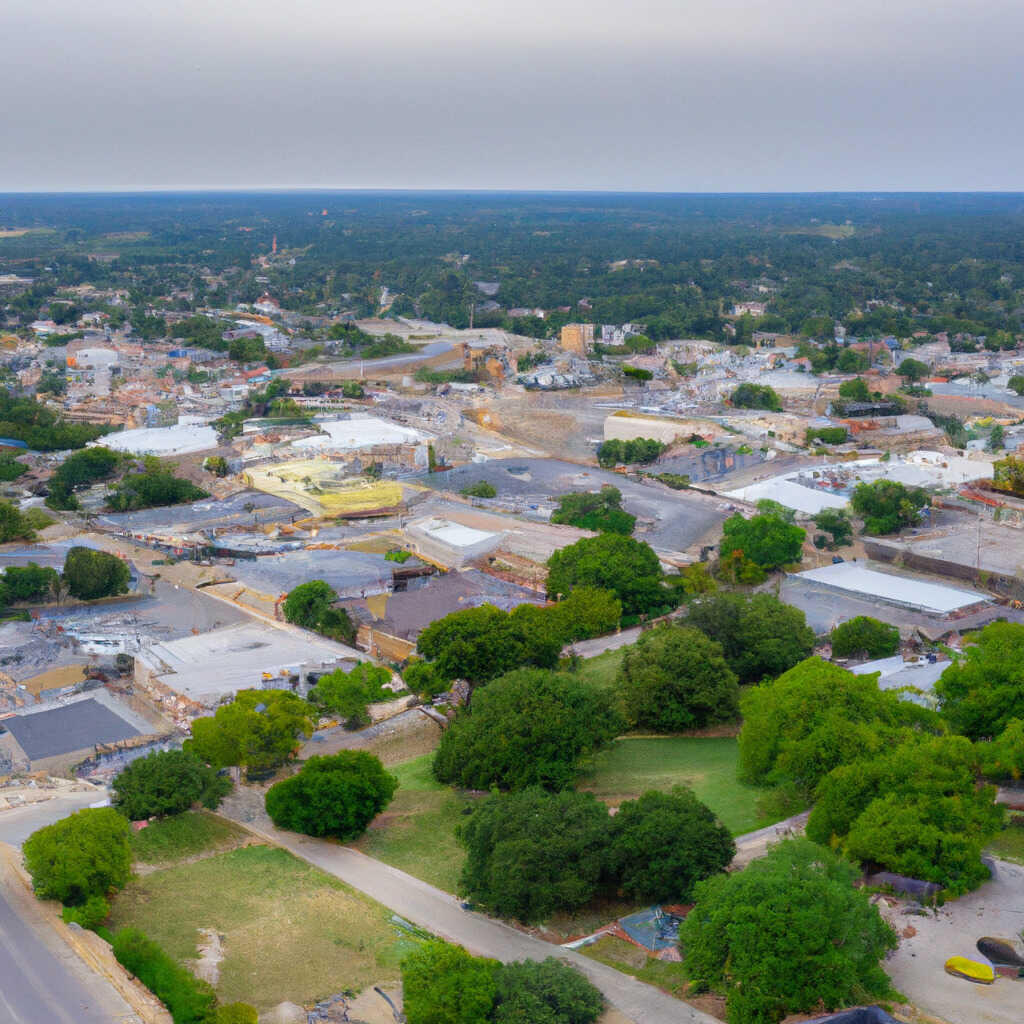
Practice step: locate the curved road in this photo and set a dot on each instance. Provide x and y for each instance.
(440, 913)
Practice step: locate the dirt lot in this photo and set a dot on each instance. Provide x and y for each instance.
(916, 968)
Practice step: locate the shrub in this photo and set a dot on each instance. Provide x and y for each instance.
(189, 1000)
(545, 992)
(675, 678)
(639, 450)
(600, 511)
(84, 855)
(887, 506)
(826, 435)
(529, 728)
(91, 914)
(662, 844)
(167, 782)
(30, 582)
(332, 796)
(865, 636)
(586, 612)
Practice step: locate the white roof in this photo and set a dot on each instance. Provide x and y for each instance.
(787, 492)
(181, 439)
(350, 435)
(902, 590)
(456, 535)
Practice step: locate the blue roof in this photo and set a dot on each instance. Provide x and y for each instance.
(10, 442)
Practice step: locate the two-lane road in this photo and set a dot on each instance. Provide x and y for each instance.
(41, 978)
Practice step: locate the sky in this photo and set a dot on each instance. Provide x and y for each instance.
(659, 95)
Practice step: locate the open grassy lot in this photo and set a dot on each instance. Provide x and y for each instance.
(185, 835)
(633, 765)
(417, 831)
(1009, 844)
(290, 931)
(601, 671)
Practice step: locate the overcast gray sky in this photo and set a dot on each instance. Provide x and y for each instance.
(673, 95)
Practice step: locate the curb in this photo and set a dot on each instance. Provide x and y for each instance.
(92, 950)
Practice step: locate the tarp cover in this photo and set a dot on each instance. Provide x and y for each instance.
(1000, 951)
(861, 1015)
(923, 891)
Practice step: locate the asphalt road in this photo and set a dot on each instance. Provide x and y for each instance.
(42, 979)
(440, 913)
(18, 824)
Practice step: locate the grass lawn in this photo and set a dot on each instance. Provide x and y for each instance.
(631, 766)
(416, 832)
(1009, 844)
(290, 931)
(185, 835)
(630, 959)
(601, 670)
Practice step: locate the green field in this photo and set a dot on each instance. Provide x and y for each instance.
(417, 830)
(708, 766)
(289, 930)
(185, 835)
(601, 671)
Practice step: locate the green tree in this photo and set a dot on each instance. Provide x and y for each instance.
(915, 810)
(81, 469)
(10, 468)
(662, 844)
(675, 678)
(216, 464)
(638, 450)
(332, 796)
(531, 853)
(864, 636)
(756, 396)
(348, 694)
(768, 507)
(481, 489)
(528, 728)
(855, 390)
(913, 370)
(996, 439)
(545, 992)
(767, 541)
(850, 360)
(887, 506)
(586, 612)
(91, 574)
(1003, 758)
(167, 782)
(760, 635)
(443, 984)
(984, 689)
(628, 568)
(788, 934)
(30, 582)
(259, 731)
(84, 855)
(1016, 383)
(815, 717)
(836, 523)
(153, 487)
(14, 525)
(600, 511)
(479, 644)
(307, 603)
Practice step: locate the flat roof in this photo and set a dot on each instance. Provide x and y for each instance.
(785, 491)
(911, 592)
(353, 434)
(64, 729)
(181, 439)
(456, 535)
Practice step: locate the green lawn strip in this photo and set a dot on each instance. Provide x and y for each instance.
(290, 930)
(1009, 844)
(632, 766)
(417, 831)
(624, 956)
(602, 670)
(184, 835)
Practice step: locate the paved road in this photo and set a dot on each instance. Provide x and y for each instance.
(18, 824)
(440, 913)
(41, 979)
(591, 648)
